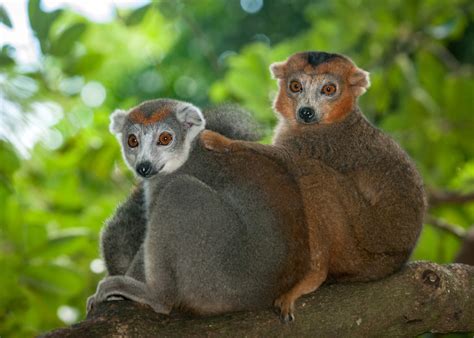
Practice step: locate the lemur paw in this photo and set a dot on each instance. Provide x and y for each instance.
(90, 304)
(93, 300)
(284, 307)
(215, 142)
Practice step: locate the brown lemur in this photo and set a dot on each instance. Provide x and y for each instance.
(215, 232)
(363, 197)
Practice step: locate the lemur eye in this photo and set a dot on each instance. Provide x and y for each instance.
(328, 89)
(165, 138)
(296, 86)
(132, 141)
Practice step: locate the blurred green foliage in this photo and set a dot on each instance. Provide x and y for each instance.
(54, 201)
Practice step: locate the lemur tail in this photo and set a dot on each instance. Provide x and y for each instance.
(233, 122)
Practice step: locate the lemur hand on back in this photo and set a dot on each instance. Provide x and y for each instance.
(363, 197)
(223, 232)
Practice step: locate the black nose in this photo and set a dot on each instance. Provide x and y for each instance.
(307, 114)
(144, 169)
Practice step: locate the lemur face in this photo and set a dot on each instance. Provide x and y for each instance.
(318, 87)
(156, 136)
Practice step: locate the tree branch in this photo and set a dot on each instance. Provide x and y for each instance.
(449, 197)
(423, 297)
(453, 229)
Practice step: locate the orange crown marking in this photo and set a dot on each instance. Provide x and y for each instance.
(138, 116)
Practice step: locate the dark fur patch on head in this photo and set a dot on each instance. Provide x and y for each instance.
(145, 118)
(316, 58)
(151, 111)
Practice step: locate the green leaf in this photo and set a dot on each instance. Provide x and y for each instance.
(52, 279)
(41, 22)
(5, 58)
(4, 17)
(67, 242)
(9, 161)
(136, 16)
(64, 43)
(35, 15)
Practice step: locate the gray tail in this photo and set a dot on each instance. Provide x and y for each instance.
(233, 122)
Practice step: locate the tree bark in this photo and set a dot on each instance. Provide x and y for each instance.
(422, 297)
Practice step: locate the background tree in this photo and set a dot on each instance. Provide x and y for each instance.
(61, 173)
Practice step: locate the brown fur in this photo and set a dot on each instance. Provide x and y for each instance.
(280, 192)
(363, 198)
(151, 115)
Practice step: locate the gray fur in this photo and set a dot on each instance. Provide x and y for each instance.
(125, 230)
(239, 123)
(204, 226)
(123, 234)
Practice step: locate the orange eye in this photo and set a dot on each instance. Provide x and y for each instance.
(296, 86)
(165, 138)
(132, 141)
(328, 89)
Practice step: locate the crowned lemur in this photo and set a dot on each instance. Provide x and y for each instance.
(363, 197)
(212, 232)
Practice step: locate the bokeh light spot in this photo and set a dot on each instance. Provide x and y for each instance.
(262, 38)
(71, 85)
(150, 81)
(251, 6)
(97, 266)
(222, 60)
(93, 94)
(68, 314)
(52, 139)
(185, 86)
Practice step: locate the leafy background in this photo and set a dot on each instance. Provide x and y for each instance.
(61, 173)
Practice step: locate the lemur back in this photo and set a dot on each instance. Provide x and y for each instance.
(363, 198)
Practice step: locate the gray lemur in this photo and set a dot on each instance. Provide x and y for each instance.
(124, 232)
(223, 232)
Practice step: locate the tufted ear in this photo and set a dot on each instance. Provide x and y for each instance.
(278, 70)
(191, 116)
(117, 121)
(359, 81)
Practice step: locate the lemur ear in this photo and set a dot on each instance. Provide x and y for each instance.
(117, 121)
(190, 116)
(278, 69)
(359, 81)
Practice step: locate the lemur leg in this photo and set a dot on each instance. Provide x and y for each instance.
(194, 250)
(126, 287)
(136, 271)
(285, 304)
(318, 265)
(319, 215)
(137, 267)
(124, 233)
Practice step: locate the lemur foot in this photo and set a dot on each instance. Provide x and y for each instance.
(215, 142)
(104, 294)
(92, 301)
(284, 306)
(126, 288)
